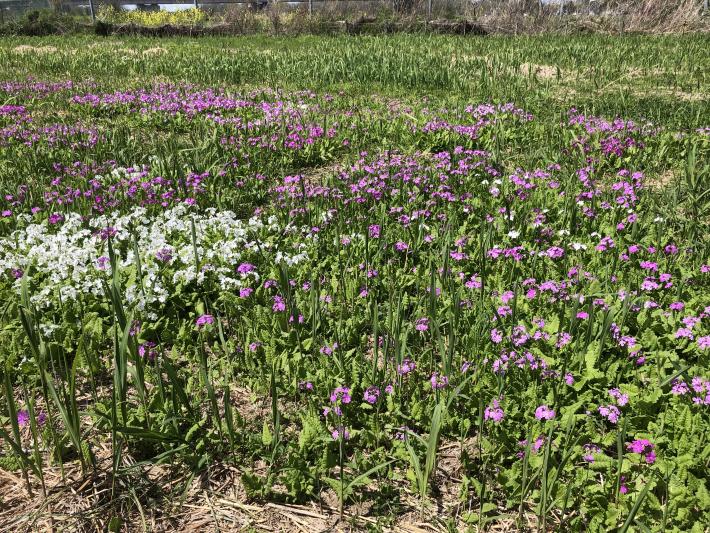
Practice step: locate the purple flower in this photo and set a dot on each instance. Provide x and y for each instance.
(643, 447)
(102, 262)
(563, 339)
(623, 489)
(507, 296)
(438, 381)
(401, 433)
(405, 367)
(328, 350)
(164, 255)
(108, 232)
(621, 399)
(371, 395)
(555, 252)
(279, 304)
(305, 386)
(543, 412)
(610, 412)
(422, 324)
(639, 445)
(374, 230)
(135, 328)
(246, 268)
(298, 319)
(679, 388)
(341, 431)
(590, 450)
(684, 333)
(23, 418)
(245, 292)
(496, 336)
(340, 394)
(204, 320)
(504, 310)
(494, 412)
(146, 350)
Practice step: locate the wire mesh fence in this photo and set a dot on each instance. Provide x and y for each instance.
(427, 9)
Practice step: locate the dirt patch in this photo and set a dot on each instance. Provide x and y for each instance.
(543, 72)
(110, 44)
(126, 52)
(660, 181)
(155, 51)
(28, 49)
(215, 500)
(319, 175)
(657, 92)
(677, 94)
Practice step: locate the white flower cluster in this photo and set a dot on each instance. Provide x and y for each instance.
(71, 258)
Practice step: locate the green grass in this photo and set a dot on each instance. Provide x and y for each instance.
(351, 174)
(663, 79)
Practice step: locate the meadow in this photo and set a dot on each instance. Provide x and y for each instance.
(394, 283)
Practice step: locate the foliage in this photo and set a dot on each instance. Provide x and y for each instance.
(362, 258)
(38, 22)
(183, 17)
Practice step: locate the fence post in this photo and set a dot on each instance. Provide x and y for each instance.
(91, 9)
(310, 7)
(428, 10)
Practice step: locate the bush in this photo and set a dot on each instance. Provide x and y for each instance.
(186, 17)
(40, 22)
(102, 28)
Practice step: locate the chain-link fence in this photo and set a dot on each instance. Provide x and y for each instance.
(424, 9)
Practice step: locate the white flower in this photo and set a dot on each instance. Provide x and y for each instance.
(72, 259)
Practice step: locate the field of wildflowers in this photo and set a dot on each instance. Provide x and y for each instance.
(359, 280)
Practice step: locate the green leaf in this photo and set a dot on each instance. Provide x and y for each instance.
(488, 507)
(590, 361)
(266, 436)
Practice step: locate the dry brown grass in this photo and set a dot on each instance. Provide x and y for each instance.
(40, 50)
(215, 500)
